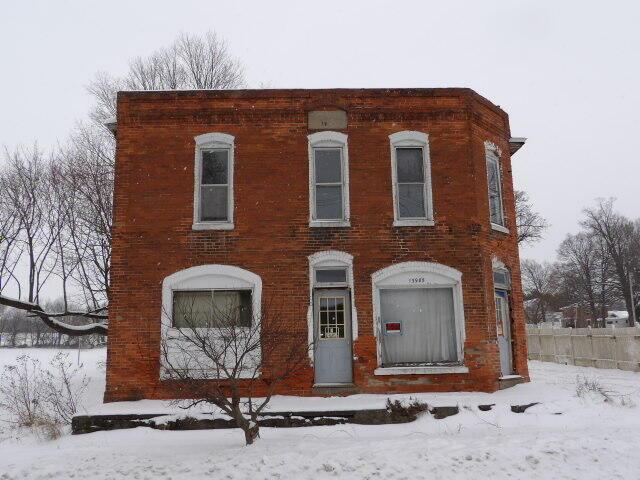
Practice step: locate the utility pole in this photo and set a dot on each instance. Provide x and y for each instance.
(632, 313)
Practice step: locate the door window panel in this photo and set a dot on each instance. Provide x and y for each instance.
(331, 311)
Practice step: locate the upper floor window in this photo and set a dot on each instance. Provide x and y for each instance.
(213, 192)
(411, 175)
(328, 180)
(494, 182)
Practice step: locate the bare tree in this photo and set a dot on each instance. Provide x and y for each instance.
(529, 223)
(620, 235)
(84, 171)
(26, 191)
(10, 253)
(585, 269)
(63, 210)
(221, 355)
(539, 284)
(189, 63)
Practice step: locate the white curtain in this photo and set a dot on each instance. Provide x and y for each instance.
(428, 326)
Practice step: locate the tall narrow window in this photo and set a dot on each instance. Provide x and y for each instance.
(411, 175)
(213, 198)
(494, 182)
(328, 180)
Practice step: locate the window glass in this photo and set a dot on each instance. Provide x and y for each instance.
(328, 165)
(410, 183)
(328, 177)
(331, 276)
(427, 319)
(331, 311)
(410, 165)
(329, 202)
(411, 200)
(192, 309)
(211, 308)
(495, 194)
(214, 203)
(501, 279)
(215, 165)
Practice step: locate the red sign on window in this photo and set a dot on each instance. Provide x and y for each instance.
(393, 327)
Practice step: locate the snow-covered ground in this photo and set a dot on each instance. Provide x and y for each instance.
(565, 437)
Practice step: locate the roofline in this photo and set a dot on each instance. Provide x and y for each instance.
(307, 92)
(516, 143)
(112, 124)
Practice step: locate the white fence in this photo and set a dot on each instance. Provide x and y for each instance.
(588, 347)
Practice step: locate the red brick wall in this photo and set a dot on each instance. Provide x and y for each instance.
(153, 234)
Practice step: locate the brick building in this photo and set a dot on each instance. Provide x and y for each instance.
(380, 221)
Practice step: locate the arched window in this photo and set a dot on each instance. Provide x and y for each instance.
(328, 180)
(411, 178)
(208, 297)
(418, 319)
(213, 189)
(210, 286)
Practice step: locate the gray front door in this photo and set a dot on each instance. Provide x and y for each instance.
(332, 336)
(503, 327)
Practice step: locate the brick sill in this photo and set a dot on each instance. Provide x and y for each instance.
(426, 370)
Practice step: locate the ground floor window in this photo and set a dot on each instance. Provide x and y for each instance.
(211, 308)
(418, 318)
(418, 326)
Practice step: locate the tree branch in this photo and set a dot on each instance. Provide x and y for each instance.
(49, 318)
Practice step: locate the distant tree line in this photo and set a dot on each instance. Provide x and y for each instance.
(56, 206)
(595, 269)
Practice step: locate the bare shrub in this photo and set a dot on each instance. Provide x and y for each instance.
(401, 412)
(585, 386)
(64, 386)
(21, 392)
(222, 354)
(42, 399)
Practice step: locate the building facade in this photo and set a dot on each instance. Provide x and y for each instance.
(381, 223)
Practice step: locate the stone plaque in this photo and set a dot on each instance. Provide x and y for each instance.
(327, 120)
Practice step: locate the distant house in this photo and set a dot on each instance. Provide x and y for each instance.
(617, 318)
(381, 221)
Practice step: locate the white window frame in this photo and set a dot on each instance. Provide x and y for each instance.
(204, 277)
(212, 141)
(413, 139)
(419, 275)
(328, 139)
(494, 154)
(325, 260)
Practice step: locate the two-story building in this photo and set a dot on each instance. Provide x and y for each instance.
(380, 221)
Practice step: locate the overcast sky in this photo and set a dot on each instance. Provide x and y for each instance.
(566, 72)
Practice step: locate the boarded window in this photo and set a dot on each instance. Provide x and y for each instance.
(419, 326)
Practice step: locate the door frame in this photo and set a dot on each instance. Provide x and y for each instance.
(316, 329)
(507, 331)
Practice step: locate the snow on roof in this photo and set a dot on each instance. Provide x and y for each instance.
(617, 314)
